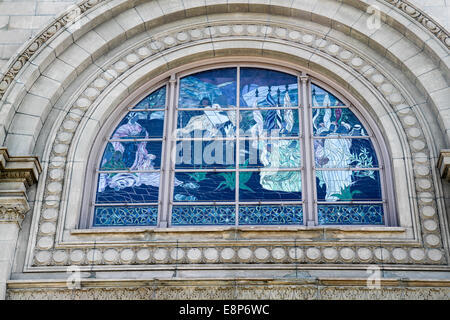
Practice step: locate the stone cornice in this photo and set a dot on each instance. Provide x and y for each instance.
(20, 60)
(19, 169)
(443, 164)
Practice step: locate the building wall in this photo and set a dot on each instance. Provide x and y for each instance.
(60, 89)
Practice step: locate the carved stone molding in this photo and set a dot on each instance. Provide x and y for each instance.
(444, 164)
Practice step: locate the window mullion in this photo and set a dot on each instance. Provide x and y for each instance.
(166, 172)
(308, 146)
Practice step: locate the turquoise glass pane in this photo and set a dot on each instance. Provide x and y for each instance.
(270, 153)
(203, 215)
(204, 186)
(125, 216)
(128, 187)
(155, 100)
(351, 214)
(206, 124)
(347, 185)
(205, 154)
(332, 122)
(344, 153)
(270, 185)
(271, 215)
(216, 88)
(127, 155)
(271, 122)
(267, 88)
(322, 98)
(140, 125)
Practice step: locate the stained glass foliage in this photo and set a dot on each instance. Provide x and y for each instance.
(213, 88)
(267, 88)
(333, 122)
(350, 214)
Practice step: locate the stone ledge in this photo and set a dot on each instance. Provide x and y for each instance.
(443, 164)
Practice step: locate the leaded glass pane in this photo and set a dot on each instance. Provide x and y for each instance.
(204, 186)
(140, 125)
(212, 88)
(269, 123)
(203, 215)
(125, 216)
(205, 154)
(273, 153)
(267, 88)
(206, 124)
(344, 153)
(155, 100)
(333, 122)
(128, 187)
(270, 185)
(322, 98)
(127, 155)
(350, 214)
(347, 185)
(271, 215)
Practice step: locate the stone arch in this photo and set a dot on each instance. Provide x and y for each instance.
(81, 62)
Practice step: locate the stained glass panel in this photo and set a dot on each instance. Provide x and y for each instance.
(322, 98)
(344, 153)
(216, 88)
(125, 216)
(206, 124)
(348, 214)
(140, 125)
(205, 154)
(271, 215)
(346, 185)
(336, 122)
(155, 100)
(204, 186)
(270, 185)
(273, 153)
(267, 88)
(121, 155)
(269, 123)
(203, 215)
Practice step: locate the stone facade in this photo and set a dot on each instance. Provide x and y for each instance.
(60, 88)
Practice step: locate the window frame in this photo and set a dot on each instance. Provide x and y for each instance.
(309, 199)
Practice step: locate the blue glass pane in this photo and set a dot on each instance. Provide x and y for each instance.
(347, 214)
(124, 187)
(271, 215)
(267, 88)
(203, 215)
(205, 154)
(125, 216)
(155, 100)
(344, 153)
(216, 88)
(270, 185)
(270, 154)
(272, 122)
(204, 186)
(206, 124)
(348, 185)
(331, 122)
(121, 155)
(140, 125)
(322, 98)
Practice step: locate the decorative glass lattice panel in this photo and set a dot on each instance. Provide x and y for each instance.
(238, 162)
(129, 171)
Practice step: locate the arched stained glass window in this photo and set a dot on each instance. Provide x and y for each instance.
(241, 146)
